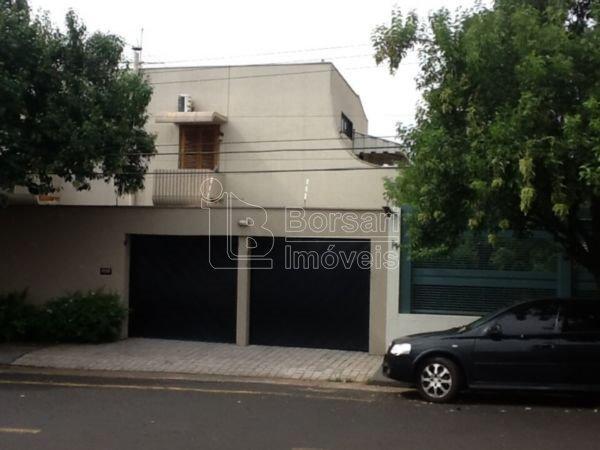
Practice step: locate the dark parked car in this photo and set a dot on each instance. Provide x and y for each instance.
(541, 344)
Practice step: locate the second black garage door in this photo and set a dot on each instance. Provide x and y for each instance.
(314, 307)
(177, 293)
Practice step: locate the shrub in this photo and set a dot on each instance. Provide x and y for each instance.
(93, 316)
(16, 316)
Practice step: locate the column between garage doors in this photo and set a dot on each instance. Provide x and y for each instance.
(243, 292)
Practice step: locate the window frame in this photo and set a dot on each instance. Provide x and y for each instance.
(345, 123)
(198, 149)
(555, 331)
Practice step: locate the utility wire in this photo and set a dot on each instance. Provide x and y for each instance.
(283, 52)
(272, 159)
(280, 159)
(272, 141)
(315, 60)
(197, 80)
(252, 76)
(271, 150)
(238, 77)
(209, 172)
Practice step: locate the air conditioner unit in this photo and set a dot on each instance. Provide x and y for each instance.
(184, 103)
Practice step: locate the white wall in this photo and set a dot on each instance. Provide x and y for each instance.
(405, 324)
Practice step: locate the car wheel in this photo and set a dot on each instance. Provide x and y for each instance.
(438, 380)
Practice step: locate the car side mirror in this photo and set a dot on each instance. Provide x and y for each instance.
(495, 331)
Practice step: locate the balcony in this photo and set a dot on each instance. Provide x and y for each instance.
(187, 187)
(381, 152)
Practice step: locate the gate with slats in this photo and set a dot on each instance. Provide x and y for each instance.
(477, 278)
(178, 290)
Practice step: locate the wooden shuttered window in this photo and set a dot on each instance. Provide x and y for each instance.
(199, 146)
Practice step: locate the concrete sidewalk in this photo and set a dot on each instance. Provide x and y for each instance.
(156, 355)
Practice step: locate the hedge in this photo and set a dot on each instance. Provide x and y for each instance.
(92, 316)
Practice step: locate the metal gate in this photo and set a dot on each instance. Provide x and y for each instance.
(305, 304)
(175, 292)
(477, 278)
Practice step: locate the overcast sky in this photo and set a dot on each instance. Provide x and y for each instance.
(266, 31)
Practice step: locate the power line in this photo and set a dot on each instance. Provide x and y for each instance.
(283, 52)
(330, 169)
(315, 60)
(282, 159)
(269, 159)
(273, 141)
(278, 63)
(198, 80)
(238, 77)
(269, 150)
(325, 158)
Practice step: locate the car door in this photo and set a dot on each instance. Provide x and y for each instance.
(518, 347)
(579, 344)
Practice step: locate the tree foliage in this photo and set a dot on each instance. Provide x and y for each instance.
(508, 132)
(68, 106)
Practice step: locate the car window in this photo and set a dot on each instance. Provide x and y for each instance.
(476, 323)
(529, 319)
(580, 317)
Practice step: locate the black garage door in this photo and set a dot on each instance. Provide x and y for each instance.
(314, 307)
(177, 293)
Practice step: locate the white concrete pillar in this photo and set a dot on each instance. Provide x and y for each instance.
(377, 301)
(384, 288)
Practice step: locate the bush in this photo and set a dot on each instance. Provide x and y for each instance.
(93, 316)
(16, 317)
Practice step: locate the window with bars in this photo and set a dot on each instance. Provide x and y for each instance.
(347, 126)
(199, 146)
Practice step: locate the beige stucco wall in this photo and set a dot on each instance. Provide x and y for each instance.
(297, 105)
(53, 249)
(57, 248)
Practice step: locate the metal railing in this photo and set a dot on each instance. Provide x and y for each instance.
(186, 187)
(373, 144)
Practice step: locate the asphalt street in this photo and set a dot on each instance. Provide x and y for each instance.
(71, 412)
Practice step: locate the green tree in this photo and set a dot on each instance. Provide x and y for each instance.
(68, 106)
(508, 132)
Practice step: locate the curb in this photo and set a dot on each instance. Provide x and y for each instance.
(379, 379)
(186, 377)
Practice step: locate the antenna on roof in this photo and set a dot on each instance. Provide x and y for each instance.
(137, 52)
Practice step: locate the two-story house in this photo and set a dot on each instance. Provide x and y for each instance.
(263, 219)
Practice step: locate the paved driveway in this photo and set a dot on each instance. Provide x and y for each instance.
(156, 355)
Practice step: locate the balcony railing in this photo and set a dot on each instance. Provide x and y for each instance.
(378, 151)
(186, 187)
